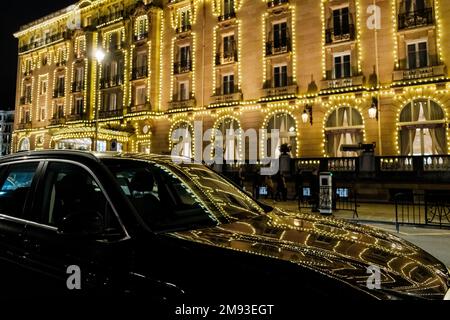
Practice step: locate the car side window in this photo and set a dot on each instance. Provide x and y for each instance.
(15, 188)
(70, 189)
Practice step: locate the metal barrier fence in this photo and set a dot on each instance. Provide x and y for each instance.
(344, 199)
(422, 209)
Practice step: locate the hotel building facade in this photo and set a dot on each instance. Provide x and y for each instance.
(323, 72)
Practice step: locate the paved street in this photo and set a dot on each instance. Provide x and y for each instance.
(382, 216)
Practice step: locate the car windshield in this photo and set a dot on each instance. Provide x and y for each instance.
(171, 197)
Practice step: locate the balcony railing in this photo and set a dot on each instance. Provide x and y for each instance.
(104, 114)
(141, 36)
(221, 97)
(402, 164)
(24, 125)
(227, 16)
(343, 82)
(25, 100)
(176, 103)
(139, 72)
(420, 73)
(275, 3)
(269, 90)
(182, 67)
(58, 93)
(77, 86)
(46, 41)
(436, 163)
(57, 120)
(140, 107)
(61, 63)
(332, 37)
(74, 117)
(420, 18)
(226, 57)
(282, 46)
(184, 28)
(105, 19)
(111, 82)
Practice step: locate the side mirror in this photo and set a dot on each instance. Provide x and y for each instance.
(82, 224)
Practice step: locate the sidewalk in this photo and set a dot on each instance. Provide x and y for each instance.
(373, 212)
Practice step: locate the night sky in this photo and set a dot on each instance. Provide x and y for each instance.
(12, 16)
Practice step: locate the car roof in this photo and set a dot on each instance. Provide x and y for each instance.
(83, 156)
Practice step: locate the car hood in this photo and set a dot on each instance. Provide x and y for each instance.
(337, 249)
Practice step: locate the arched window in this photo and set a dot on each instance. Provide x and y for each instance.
(422, 129)
(285, 123)
(230, 147)
(24, 145)
(183, 139)
(343, 126)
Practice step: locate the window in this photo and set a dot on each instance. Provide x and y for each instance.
(101, 146)
(70, 189)
(182, 139)
(412, 6)
(184, 91)
(229, 48)
(141, 60)
(79, 76)
(59, 111)
(24, 145)
(285, 124)
(422, 129)
(231, 146)
(78, 106)
(417, 55)
(185, 56)
(42, 114)
(228, 84)
(343, 126)
(140, 95)
(60, 85)
(27, 93)
(228, 7)
(16, 187)
(185, 17)
(113, 101)
(280, 35)
(341, 22)
(280, 76)
(43, 87)
(163, 200)
(342, 66)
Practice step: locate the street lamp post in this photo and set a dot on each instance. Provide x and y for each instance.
(99, 56)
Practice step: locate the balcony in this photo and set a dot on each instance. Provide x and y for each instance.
(271, 91)
(44, 42)
(276, 3)
(74, 117)
(57, 120)
(140, 107)
(139, 73)
(61, 63)
(110, 18)
(24, 125)
(278, 47)
(105, 114)
(77, 86)
(221, 98)
(227, 16)
(141, 36)
(184, 28)
(111, 82)
(343, 82)
(182, 67)
(226, 57)
(27, 73)
(25, 100)
(176, 103)
(116, 46)
(415, 19)
(58, 93)
(420, 73)
(332, 37)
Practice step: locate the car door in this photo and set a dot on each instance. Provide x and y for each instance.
(69, 187)
(17, 184)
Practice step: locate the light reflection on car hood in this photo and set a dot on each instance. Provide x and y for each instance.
(335, 248)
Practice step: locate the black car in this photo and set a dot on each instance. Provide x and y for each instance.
(147, 225)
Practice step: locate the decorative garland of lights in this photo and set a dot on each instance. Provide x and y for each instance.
(161, 56)
(331, 108)
(274, 113)
(141, 25)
